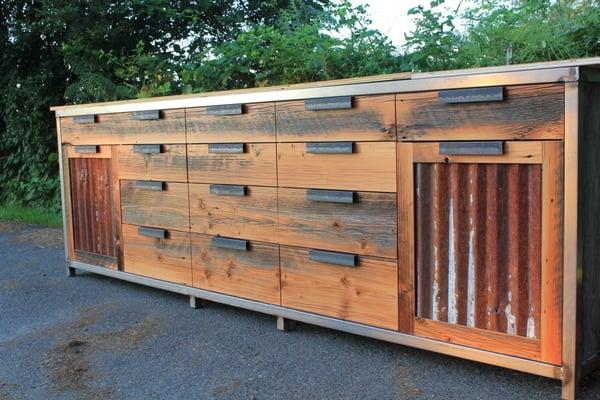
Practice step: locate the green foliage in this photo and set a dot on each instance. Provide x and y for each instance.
(60, 51)
(29, 215)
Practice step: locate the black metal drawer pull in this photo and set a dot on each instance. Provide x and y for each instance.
(331, 196)
(475, 95)
(84, 119)
(226, 109)
(228, 190)
(328, 103)
(147, 148)
(146, 115)
(152, 232)
(330, 257)
(87, 149)
(231, 244)
(471, 148)
(226, 148)
(150, 185)
(330, 148)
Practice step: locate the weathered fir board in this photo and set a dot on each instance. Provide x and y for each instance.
(453, 211)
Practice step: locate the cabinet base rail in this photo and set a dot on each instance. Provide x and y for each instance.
(500, 360)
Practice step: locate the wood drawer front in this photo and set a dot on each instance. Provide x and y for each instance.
(251, 274)
(366, 293)
(122, 128)
(167, 259)
(167, 208)
(252, 216)
(255, 166)
(170, 163)
(371, 118)
(527, 112)
(371, 167)
(256, 123)
(367, 226)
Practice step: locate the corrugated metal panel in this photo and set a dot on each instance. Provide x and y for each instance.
(91, 192)
(478, 245)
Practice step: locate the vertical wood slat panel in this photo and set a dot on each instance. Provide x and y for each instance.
(478, 245)
(91, 191)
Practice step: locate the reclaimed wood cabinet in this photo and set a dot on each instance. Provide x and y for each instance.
(456, 211)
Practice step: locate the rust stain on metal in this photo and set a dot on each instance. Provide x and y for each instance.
(478, 245)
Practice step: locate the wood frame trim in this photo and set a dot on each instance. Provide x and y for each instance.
(549, 155)
(104, 151)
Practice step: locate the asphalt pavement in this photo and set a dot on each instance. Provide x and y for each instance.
(91, 337)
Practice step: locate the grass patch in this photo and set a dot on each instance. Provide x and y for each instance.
(34, 216)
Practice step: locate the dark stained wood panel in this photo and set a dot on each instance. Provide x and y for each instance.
(168, 165)
(371, 119)
(368, 226)
(366, 293)
(252, 217)
(251, 274)
(256, 166)
(92, 206)
(167, 259)
(121, 128)
(256, 124)
(528, 112)
(371, 167)
(478, 254)
(167, 208)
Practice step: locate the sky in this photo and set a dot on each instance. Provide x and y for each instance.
(391, 16)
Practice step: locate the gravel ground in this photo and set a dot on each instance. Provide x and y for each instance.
(91, 337)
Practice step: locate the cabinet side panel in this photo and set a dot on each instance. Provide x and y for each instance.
(589, 229)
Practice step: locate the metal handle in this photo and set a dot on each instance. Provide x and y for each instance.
(228, 190)
(147, 148)
(330, 257)
(152, 232)
(87, 149)
(330, 148)
(328, 103)
(146, 115)
(228, 243)
(150, 185)
(476, 95)
(471, 148)
(226, 109)
(226, 148)
(331, 196)
(84, 119)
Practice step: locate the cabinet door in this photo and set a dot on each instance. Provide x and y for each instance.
(480, 226)
(92, 204)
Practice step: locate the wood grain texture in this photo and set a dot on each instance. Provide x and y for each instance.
(116, 198)
(167, 209)
(372, 167)
(121, 128)
(367, 293)
(169, 165)
(165, 259)
(552, 254)
(371, 119)
(514, 153)
(406, 239)
(366, 227)
(252, 217)
(256, 124)
(92, 206)
(479, 339)
(257, 166)
(252, 274)
(528, 112)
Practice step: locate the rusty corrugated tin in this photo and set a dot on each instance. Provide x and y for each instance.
(478, 245)
(92, 206)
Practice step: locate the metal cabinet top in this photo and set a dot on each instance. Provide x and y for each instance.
(544, 72)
